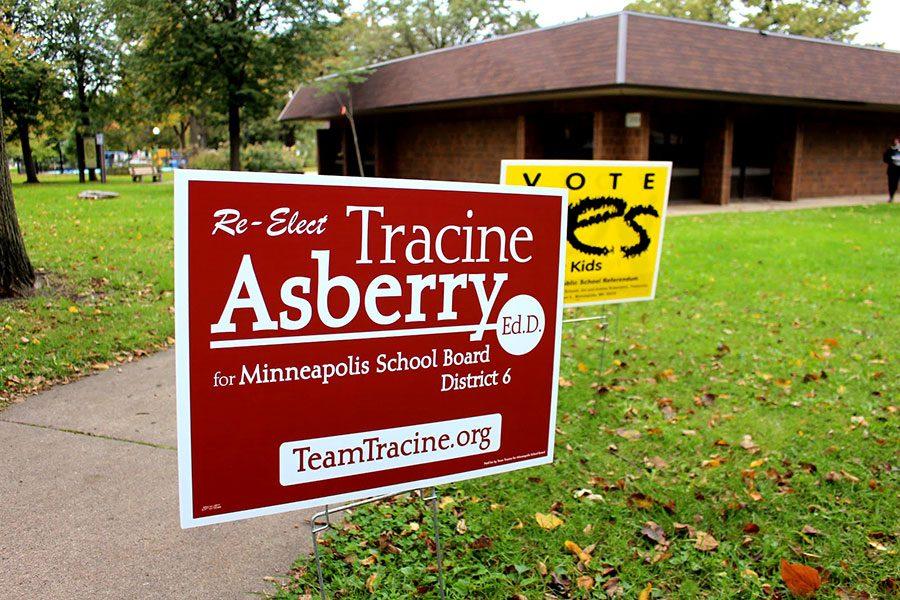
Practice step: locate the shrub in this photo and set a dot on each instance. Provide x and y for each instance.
(268, 156)
(216, 159)
(271, 156)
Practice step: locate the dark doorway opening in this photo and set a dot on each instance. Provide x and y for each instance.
(752, 158)
(328, 143)
(678, 138)
(566, 136)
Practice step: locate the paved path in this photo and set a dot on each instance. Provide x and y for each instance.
(677, 208)
(89, 500)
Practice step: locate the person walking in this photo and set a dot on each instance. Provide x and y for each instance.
(892, 159)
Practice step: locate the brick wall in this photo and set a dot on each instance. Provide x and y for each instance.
(715, 174)
(455, 149)
(841, 154)
(618, 142)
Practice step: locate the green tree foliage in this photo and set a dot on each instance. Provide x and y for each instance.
(713, 11)
(82, 42)
(401, 27)
(828, 19)
(29, 82)
(387, 29)
(228, 55)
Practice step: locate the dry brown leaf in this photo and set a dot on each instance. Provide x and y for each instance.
(370, 582)
(800, 579)
(548, 522)
(563, 382)
(461, 526)
(653, 532)
(445, 502)
(585, 582)
(810, 530)
(705, 542)
(638, 500)
(655, 462)
(749, 445)
(628, 434)
(541, 568)
(613, 587)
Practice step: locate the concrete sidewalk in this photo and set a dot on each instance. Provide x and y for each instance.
(687, 207)
(89, 500)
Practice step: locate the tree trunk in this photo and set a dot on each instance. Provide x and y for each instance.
(359, 160)
(79, 155)
(16, 272)
(27, 156)
(61, 161)
(234, 133)
(181, 132)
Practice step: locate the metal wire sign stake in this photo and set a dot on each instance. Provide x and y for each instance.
(321, 521)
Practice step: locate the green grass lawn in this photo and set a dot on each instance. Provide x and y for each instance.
(107, 276)
(778, 326)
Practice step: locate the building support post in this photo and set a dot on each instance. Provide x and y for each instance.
(598, 136)
(521, 139)
(637, 139)
(788, 156)
(715, 178)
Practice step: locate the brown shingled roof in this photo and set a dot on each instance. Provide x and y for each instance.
(625, 49)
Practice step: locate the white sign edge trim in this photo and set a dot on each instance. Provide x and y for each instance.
(182, 332)
(552, 162)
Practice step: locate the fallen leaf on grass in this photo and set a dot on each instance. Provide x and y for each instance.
(847, 594)
(370, 583)
(628, 434)
(645, 593)
(749, 445)
(482, 542)
(666, 375)
(461, 526)
(580, 554)
(809, 530)
(655, 462)
(800, 579)
(445, 502)
(751, 528)
(653, 532)
(548, 522)
(582, 367)
(666, 408)
(639, 500)
(587, 494)
(705, 542)
(563, 382)
(613, 587)
(585, 582)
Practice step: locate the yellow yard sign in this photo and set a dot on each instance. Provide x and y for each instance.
(617, 212)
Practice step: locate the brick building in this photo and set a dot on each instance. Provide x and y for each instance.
(741, 113)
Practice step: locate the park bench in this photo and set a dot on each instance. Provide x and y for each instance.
(137, 172)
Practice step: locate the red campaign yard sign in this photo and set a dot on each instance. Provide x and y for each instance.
(342, 337)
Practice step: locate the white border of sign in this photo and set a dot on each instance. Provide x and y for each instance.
(182, 331)
(604, 163)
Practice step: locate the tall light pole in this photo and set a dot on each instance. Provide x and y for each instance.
(156, 131)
